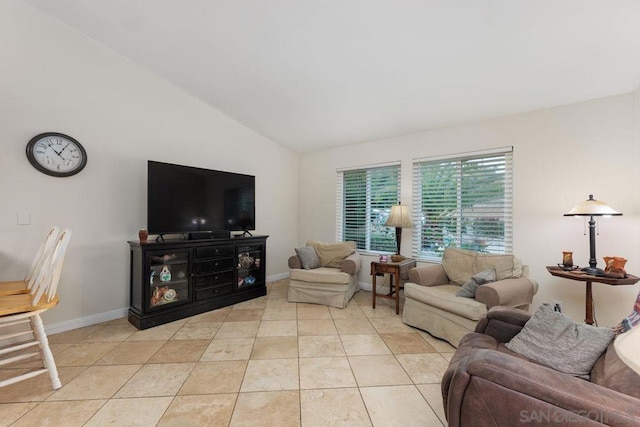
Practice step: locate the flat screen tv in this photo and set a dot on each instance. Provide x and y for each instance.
(185, 199)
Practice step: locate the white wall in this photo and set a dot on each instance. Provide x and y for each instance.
(53, 79)
(561, 155)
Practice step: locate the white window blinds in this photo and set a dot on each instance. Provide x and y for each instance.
(463, 201)
(363, 202)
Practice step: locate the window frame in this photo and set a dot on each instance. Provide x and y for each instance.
(504, 212)
(340, 205)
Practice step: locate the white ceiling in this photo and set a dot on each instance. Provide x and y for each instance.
(312, 74)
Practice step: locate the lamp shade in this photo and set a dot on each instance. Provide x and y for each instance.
(592, 207)
(627, 347)
(399, 217)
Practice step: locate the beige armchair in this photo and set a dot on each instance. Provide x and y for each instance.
(332, 282)
(431, 303)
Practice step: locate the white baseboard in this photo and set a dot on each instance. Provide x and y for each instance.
(365, 286)
(81, 322)
(280, 276)
(68, 325)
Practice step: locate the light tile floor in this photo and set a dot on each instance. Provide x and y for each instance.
(264, 362)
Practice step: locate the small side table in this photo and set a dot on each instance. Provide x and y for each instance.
(394, 269)
(589, 279)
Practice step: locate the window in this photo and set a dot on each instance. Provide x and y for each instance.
(463, 201)
(364, 200)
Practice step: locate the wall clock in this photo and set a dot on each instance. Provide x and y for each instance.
(56, 154)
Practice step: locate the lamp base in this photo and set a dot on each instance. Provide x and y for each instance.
(398, 258)
(593, 271)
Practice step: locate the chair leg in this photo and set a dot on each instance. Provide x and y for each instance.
(47, 356)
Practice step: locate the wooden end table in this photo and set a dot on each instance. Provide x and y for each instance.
(580, 275)
(393, 269)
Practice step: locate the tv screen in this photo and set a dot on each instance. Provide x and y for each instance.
(183, 199)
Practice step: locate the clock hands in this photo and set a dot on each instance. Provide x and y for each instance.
(65, 147)
(54, 150)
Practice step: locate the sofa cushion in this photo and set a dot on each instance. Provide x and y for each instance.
(553, 340)
(506, 266)
(326, 275)
(332, 254)
(308, 257)
(458, 264)
(468, 290)
(444, 297)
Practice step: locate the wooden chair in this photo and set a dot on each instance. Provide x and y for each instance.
(25, 308)
(23, 286)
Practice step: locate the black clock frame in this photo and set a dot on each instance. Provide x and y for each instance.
(39, 167)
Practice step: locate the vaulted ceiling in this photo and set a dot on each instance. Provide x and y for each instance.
(313, 74)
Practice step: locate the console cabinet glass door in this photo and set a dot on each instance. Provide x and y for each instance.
(250, 268)
(168, 274)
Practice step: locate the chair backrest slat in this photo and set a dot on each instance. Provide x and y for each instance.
(49, 275)
(41, 255)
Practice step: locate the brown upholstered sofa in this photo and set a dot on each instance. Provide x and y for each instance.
(488, 385)
(431, 303)
(333, 282)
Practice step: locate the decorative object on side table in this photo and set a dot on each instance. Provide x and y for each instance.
(399, 218)
(592, 208)
(614, 267)
(143, 235)
(567, 262)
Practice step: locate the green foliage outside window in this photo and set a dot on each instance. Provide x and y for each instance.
(462, 204)
(367, 199)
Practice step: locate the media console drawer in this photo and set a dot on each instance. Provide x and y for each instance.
(214, 279)
(214, 291)
(218, 251)
(214, 265)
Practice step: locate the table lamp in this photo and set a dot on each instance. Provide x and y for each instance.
(591, 208)
(399, 218)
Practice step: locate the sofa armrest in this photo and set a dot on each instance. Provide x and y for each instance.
(428, 275)
(508, 292)
(351, 264)
(513, 391)
(502, 323)
(294, 262)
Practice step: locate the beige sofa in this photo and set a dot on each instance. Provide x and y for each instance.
(333, 283)
(431, 303)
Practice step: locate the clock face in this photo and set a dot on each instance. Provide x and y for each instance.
(56, 154)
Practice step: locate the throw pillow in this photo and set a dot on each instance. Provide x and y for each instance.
(468, 290)
(631, 320)
(308, 257)
(332, 254)
(553, 340)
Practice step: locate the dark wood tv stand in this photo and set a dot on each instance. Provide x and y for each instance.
(175, 279)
